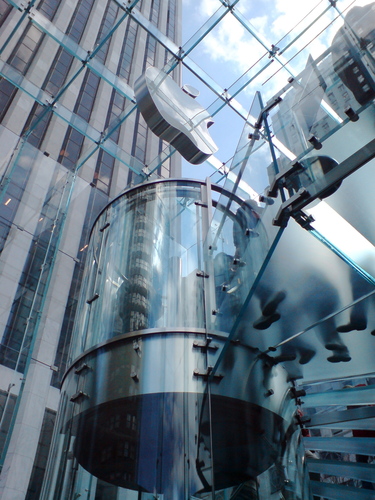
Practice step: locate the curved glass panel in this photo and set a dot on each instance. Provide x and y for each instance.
(145, 265)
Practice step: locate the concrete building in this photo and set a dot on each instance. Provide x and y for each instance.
(68, 69)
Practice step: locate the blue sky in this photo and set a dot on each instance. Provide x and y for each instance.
(229, 51)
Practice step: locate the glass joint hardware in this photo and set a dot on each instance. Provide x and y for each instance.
(78, 397)
(205, 346)
(351, 114)
(273, 51)
(298, 393)
(137, 347)
(266, 200)
(216, 312)
(205, 375)
(50, 101)
(54, 368)
(104, 227)
(251, 233)
(255, 136)
(201, 204)
(93, 298)
(302, 420)
(25, 7)
(202, 274)
(134, 376)
(81, 368)
(304, 220)
(280, 179)
(314, 141)
(267, 108)
(239, 262)
(269, 393)
(286, 209)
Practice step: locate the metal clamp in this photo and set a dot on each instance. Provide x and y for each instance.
(78, 397)
(202, 274)
(93, 298)
(286, 208)
(280, 179)
(205, 375)
(206, 346)
(81, 368)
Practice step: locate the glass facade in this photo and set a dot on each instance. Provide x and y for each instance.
(217, 308)
(135, 394)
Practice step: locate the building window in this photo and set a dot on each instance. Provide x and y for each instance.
(40, 462)
(73, 142)
(97, 202)
(127, 51)
(5, 9)
(57, 74)
(23, 54)
(7, 403)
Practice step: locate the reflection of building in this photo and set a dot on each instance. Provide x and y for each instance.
(187, 355)
(69, 70)
(153, 376)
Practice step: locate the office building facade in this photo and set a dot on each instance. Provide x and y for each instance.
(55, 111)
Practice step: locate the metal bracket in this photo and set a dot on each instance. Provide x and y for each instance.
(206, 346)
(251, 232)
(304, 220)
(51, 102)
(280, 178)
(267, 108)
(81, 368)
(104, 227)
(298, 393)
(201, 204)
(205, 375)
(137, 348)
(78, 397)
(286, 209)
(202, 274)
(255, 136)
(94, 297)
(238, 262)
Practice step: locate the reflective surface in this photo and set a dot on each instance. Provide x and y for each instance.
(145, 261)
(139, 391)
(295, 296)
(174, 116)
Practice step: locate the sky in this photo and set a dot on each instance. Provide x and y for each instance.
(229, 51)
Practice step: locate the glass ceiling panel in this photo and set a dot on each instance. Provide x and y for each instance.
(229, 51)
(86, 57)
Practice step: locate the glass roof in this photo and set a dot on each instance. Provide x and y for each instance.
(273, 78)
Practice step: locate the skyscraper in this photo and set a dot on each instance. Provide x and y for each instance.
(222, 331)
(71, 140)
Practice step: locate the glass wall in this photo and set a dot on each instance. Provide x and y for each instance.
(139, 409)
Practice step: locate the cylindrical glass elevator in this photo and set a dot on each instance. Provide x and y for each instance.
(138, 408)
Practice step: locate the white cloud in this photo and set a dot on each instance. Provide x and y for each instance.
(272, 21)
(230, 48)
